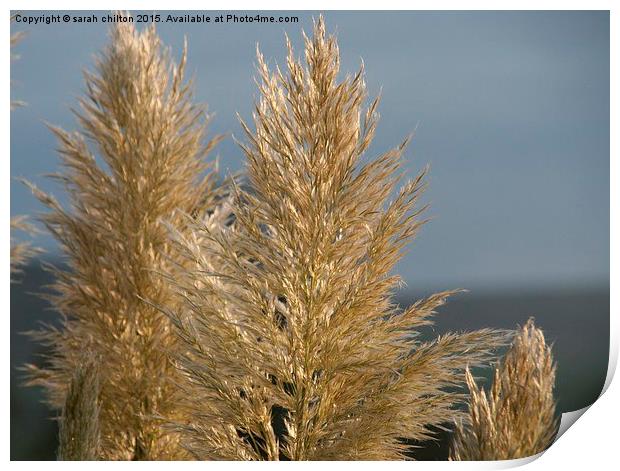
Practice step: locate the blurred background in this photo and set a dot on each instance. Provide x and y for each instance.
(510, 109)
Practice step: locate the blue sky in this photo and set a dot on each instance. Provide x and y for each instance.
(511, 111)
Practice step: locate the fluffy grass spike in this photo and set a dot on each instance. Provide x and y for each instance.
(516, 419)
(296, 349)
(138, 159)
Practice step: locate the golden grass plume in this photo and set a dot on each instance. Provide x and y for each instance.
(295, 347)
(139, 158)
(517, 417)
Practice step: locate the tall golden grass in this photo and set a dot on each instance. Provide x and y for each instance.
(295, 348)
(139, 158)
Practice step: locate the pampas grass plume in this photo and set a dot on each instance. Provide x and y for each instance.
(516, 419)
(295, 348)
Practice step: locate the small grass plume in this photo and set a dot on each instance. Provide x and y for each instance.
(139, 158)
(517, 418)
(21, 251)
(296, 349)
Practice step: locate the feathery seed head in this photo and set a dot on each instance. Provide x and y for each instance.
(516, 419)
(138, 159)
(295, 347)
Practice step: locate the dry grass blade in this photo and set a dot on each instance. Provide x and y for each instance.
(295, 347)
(516, 419)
